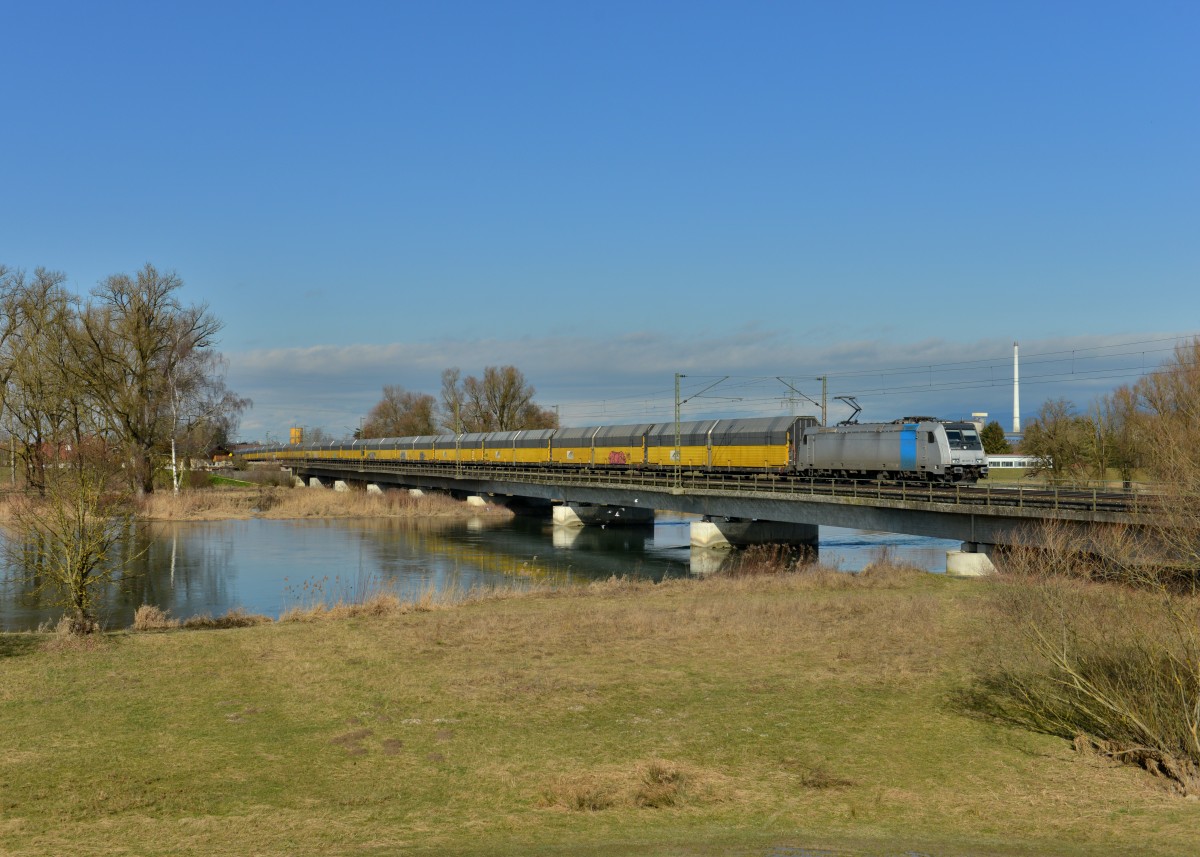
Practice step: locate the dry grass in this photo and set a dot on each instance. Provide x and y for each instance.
(730, 715)
(883, 571)
(293, 503)
(1097, 648)
(652, 784)
(148, 617)
(236, 618)
(64, 637)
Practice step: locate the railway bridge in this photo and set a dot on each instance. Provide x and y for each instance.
(762, 508)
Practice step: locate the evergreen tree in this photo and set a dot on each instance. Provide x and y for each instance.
(994, 442)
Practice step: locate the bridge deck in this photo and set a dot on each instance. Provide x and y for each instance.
(988, 514)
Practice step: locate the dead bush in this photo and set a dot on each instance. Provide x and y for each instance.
(766, 560)
(236, 618)
(148, 617)
(1086, 640)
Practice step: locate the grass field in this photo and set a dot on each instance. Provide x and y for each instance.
(769, 716)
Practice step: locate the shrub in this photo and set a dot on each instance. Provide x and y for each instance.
(151, 618)
(1103, 650)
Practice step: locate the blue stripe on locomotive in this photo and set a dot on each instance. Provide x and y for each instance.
(908, 447)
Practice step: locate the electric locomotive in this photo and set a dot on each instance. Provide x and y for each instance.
(909, 449)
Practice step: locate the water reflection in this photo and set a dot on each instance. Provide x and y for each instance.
(268, 566)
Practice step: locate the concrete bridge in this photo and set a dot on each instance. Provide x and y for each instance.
(748, 510)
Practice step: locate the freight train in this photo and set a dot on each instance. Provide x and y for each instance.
(910, 449)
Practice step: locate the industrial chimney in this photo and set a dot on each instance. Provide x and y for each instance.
(1016, 393)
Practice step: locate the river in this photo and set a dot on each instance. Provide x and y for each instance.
(269, 566)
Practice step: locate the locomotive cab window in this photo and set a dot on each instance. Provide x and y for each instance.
(963, 437)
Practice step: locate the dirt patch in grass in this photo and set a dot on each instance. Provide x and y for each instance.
(651, 784)
(352, 741)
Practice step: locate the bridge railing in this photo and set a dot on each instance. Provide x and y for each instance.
(987, 495)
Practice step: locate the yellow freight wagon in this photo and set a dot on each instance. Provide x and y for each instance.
(693, 448)
(620, 445)
(470, 446)
(742, 444)
(573, 446)
(527, 446)
(753, 444)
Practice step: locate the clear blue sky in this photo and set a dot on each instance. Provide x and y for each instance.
(607, 193)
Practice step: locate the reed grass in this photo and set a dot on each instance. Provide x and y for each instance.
(296, 503)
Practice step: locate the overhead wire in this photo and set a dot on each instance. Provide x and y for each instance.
(1003, 378)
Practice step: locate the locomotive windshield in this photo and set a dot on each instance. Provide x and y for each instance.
(963, 437)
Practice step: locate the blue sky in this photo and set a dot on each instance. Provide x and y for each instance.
(605, 194)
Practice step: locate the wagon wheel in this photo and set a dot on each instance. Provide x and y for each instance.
(883, 476)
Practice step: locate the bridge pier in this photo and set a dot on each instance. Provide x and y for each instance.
(315, 482)
(527, 507)
(373, 488)
(973, 560)
(586, 515)
(727, 534)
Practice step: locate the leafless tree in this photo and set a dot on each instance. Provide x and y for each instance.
(1118, 426)
(40, 387)
(452, 400)
(401, 413)
(316, 434)
(1170, 440)
(1060, 439)
(140, 347)
(66, 538)
(500, 401)
(63, 532)
(204, 413)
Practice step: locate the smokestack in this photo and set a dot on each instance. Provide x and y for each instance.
(1016, 393)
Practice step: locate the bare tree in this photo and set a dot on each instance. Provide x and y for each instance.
(64, 533)
(204, 413)
(1170, 439)
(1117, 423)
(500, 401)
(452, 400)
(140, 347)
(1060, 439)
(316, 434)
(66, 539)
(401, 414)
(38, 367)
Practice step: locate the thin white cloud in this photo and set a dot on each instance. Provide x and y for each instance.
(631, 377)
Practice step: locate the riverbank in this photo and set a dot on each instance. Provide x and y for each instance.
(280, 503)
(744, 716)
